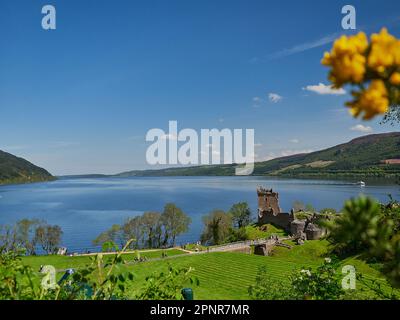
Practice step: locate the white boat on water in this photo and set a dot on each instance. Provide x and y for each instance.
(361, 183)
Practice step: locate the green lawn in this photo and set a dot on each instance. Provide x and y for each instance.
(65, 262)
(314, 252)
(224, 275)
(254, 232)
(228, 275)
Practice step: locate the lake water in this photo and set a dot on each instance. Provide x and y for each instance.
(86, 207)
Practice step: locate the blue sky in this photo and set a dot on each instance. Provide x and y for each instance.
(80, 99)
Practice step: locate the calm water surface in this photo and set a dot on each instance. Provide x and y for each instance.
(86, 207)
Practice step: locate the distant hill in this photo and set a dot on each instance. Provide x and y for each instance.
(18, 170)
(361, 157)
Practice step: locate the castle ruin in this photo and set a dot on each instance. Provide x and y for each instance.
(269, 212)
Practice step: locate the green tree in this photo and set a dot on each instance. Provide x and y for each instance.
(175, 222)
(25, 234)
(114, 234)
(8, 239)
(217, 227)
(49, 237)
(133, 229)
(241, 214)
(151, 222)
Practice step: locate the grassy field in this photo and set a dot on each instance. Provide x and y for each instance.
(223, 275)
(254, 232)
(228, 275)
(65, 262)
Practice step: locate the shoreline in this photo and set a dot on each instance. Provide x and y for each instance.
(8, 183)
(378, 181)
(390, 181)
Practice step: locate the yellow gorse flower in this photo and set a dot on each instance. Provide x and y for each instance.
(375, 65)
(347, 59)
(385, 51)
(395, 79)
(371, 101)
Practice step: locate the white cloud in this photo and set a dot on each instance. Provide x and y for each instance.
(286, 153)
(324, 89)
(361, 128)
(274, 97)
(303, 47)
(294, 140)
(257, 101)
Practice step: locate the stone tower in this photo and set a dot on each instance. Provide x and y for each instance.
(268, 202)
(269, 211)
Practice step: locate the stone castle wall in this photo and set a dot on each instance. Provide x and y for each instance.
(269, 212)
(282, 220)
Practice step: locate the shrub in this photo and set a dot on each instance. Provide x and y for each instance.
(217, 227)
(167, 285)
(322, 284)
(370, 228)
(359, 228)
(17, 281)
(328, 211)
(266, 288)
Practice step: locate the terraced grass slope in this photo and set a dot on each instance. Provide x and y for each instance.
(66, 262)
(224, 275)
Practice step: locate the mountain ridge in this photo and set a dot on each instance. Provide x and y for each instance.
(15, 169)
(360, 157)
